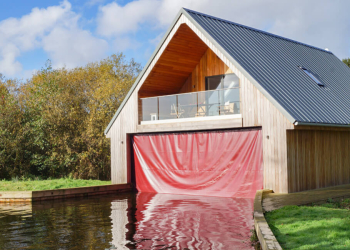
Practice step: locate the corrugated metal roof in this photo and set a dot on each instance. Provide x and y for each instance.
(272, 61)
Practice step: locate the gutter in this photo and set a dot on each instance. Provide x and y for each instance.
(321, 124)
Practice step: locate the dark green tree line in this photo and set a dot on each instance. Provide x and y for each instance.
(346, 61)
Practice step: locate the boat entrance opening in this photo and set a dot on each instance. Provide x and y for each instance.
(212, 163)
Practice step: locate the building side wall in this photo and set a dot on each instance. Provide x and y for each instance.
(256, 110)
(127, 121)
(318, 158)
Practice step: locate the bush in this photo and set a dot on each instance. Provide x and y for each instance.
(52, 125)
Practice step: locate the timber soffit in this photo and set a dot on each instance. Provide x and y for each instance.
(184, 12)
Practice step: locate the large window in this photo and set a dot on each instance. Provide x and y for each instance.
(221, 82)
(221, 97)
(225, 96)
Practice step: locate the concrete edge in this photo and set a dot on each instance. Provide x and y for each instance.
(322, 200)
(30, 196)
(265, 235)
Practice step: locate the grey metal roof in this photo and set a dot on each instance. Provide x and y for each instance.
(272, 61)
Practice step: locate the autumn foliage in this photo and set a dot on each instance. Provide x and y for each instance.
(52, 125)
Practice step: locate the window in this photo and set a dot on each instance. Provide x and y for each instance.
(312, 76)
(221, 82)
(222, 93)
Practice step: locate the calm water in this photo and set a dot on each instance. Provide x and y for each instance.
(129, 221)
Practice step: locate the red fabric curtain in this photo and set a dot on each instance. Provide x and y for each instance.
(225, 163)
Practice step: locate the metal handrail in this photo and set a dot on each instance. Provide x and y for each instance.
(198, 102)
(188, 93)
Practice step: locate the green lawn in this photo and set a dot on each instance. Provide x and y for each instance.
(325, 226)
(34, 185)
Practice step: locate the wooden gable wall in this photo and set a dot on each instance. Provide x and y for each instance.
(256, 110)
(209, 65)
(175, 64)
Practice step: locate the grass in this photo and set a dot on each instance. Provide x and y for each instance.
(325, 226)
(254, 240)
(35, 185)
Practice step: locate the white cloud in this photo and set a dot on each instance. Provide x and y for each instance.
(28, 73)
(155, 41)
(26, 31)
(19, 35)
(320, 23)
(73, 47)
(114, 19)
(125, 43)
(8, 63)
(56, 30)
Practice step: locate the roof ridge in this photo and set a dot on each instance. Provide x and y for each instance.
(257, 30)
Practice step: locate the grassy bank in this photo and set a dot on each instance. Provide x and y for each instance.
(35, 185)
(324, 226)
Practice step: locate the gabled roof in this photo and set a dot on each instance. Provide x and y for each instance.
(272, 63)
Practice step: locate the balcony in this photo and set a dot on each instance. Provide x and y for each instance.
(191, 106)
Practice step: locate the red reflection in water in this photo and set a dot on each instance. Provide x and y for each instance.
(168, 221)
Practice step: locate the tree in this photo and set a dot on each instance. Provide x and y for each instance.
(346, 61)
(63, 114)
(12, 159)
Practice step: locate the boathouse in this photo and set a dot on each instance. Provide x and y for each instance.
(224, 109)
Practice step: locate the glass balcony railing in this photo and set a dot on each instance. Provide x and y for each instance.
(191, 105)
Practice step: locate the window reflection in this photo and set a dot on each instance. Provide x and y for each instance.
(221, 82)
(221, 97)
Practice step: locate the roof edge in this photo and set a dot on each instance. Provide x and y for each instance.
(241, 69)
(257, 30)
(321, 124)
(133, 87)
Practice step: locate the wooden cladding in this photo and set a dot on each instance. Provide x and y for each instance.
(175, 64)
(317, 159)
(256, 109)
(174, 82)
(209, 65)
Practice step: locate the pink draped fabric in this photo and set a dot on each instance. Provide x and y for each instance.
(223, 163)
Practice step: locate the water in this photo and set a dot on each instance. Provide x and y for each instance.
(128, 221)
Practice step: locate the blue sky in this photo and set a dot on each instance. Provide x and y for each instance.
(74, 32)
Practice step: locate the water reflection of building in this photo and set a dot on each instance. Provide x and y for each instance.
(182, 222)
(119, 218)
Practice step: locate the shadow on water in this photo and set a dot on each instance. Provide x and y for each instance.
(128, 221)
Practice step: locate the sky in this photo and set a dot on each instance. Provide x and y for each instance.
(73, 33)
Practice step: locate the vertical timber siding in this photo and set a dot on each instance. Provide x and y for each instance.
(317, 159)
(209, 65)
(256, 110)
